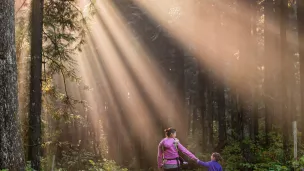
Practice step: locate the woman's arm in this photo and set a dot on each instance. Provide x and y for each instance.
(160, 155)
(186, 152)
(206, 164)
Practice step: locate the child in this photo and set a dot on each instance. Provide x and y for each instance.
(212, 165)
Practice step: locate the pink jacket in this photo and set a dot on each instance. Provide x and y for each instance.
(170, 152)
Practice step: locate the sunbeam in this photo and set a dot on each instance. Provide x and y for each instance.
(100, 80)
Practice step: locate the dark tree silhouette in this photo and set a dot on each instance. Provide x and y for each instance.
(35, 85)
(11, 153)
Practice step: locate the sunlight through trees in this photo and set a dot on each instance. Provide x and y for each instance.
(92, 84)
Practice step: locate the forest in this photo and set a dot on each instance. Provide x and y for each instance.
(92, 84)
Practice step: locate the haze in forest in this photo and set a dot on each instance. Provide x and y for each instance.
(100, 80)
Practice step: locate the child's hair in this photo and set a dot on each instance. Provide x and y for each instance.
(170, 131)
(217, 156)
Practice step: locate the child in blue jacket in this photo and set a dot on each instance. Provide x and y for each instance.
(212, 165)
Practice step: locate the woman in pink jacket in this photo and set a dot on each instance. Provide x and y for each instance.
(168, 157)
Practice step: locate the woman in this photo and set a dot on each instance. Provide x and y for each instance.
(168, 148)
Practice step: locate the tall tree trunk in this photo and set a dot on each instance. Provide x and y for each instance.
(193, 111)
(268, 58)
(244, 9)
(284, 74)
(202, 81)
(255, 97)
(180, 86)
(11, 156)
(35, 84)
(210, 112)
(221, 85)
(300, 16)
(221, 110)
(233, 111)
(244, 12)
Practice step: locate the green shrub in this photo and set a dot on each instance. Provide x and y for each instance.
(255, 156)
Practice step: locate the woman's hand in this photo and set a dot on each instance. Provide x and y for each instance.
(195, 159)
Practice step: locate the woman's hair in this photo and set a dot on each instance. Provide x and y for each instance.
(217, 156)
(170, 131)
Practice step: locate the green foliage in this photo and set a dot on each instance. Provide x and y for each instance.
(298, 164)
(249, 155)
(64, 30)
(105, 165)
(29, 167)
(90, 165)
(75, 158)
(87, 161)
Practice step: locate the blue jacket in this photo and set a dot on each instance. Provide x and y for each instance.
(212, 165)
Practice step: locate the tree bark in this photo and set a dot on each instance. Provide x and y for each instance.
(11, 156)
(180, 99)
(244, 9)
(255, 97)
(221, 110)
(35, 84)
(300, 16)
(268, 62)
(202, 81)
(210, 112)
(220, 83)
(284, 74)
(193, 111)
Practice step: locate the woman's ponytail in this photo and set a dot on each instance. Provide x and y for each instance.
(169, 131)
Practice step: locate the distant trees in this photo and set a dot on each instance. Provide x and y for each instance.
(241, 105)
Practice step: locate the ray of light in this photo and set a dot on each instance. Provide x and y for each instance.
(135, 112)
(114, 119)
(131, 75)
(192, 27)
(141, 65)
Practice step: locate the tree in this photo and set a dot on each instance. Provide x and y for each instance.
(178, 78)
(300, 15)
(35, 84)
(269, 50)
(254, 128)
(11, 156)
(64, 30)
(245, 31)
(220, 85)
(209, 118)
(284, 74)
